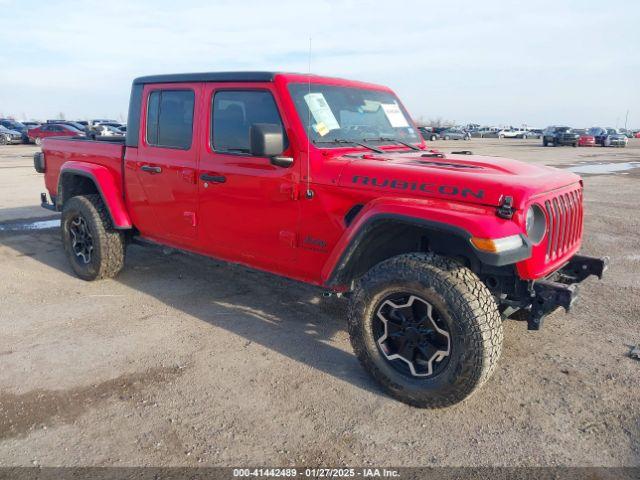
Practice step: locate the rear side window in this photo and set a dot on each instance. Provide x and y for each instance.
(234, 112)
(170, 118)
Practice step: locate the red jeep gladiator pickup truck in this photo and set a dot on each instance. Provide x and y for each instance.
(328, 181)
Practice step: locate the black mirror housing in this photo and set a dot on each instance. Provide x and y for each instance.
(266, 139)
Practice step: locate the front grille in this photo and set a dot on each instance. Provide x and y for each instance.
(564, 223)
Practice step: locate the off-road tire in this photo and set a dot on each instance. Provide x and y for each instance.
(108, 244)
(465, 304)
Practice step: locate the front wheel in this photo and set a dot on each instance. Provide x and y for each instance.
(94, 248)
(433, 138)
(38, 141)
(446, 137)
(426, 329)
(4, 139)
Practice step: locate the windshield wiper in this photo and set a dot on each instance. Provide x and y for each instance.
(391, 139)
(350, 142)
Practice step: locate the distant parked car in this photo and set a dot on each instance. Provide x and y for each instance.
(534, 133)
(16, 126)
(555, 136)
(616, 138)
(637, 135)
(509, 133)
(428, 133)
(608, 137)
(117, 125)
(626, 133)
(107, 131)
(485, 132)
(98, 121)
(53, 130)
(585, 140)
(8, 136)
(31, 125)
(76, 125)
(454, 134)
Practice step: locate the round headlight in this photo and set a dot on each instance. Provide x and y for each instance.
(536, 224)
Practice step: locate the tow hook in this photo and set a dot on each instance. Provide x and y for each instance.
(506, 210)
(548, 297)
(561, 289)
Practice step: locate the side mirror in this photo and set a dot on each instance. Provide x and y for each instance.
(267, 140)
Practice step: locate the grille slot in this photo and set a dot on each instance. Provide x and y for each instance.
(564, 223)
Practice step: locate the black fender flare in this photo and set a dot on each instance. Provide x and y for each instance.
(456, 243)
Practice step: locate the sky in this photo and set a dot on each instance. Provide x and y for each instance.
(533, 62)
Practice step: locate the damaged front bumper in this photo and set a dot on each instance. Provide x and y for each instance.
(561, 288)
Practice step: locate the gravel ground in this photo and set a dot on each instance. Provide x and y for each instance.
(187, 361)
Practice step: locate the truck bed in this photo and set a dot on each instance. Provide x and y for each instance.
(58, 151)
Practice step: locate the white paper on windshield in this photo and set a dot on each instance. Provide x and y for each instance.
(394, 115)
(321, 111)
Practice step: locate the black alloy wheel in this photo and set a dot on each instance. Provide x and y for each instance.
(81, 239)
(412, 335)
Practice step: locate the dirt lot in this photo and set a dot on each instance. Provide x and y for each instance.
(185, 361)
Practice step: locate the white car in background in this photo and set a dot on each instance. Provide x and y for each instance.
(107, 131)
(516, 133)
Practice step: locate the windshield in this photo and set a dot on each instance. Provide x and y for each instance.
(13, 125)
(612, 131)
(332, 113)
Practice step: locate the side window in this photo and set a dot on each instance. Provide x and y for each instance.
(152, 118)
(234, 112)
(170, 118)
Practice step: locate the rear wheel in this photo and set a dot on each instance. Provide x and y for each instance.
(433, 138)
(446, 137)
(38, 141)
(426, 329)
(94, 248)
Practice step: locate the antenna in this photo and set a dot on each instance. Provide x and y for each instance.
(309, 192)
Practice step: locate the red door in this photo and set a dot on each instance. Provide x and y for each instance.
(161, 177)
(248, 207)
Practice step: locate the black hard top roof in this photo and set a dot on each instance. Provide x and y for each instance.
(207, 77)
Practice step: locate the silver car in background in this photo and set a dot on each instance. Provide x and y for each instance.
(8, 137)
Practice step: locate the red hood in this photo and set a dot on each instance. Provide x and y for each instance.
(467, 178)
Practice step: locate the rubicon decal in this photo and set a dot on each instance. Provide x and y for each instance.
(425, 187)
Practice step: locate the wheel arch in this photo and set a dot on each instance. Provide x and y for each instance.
(385, 235)
(84, 180)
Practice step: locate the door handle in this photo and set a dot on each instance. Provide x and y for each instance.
(213, 178)
(151, 169)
